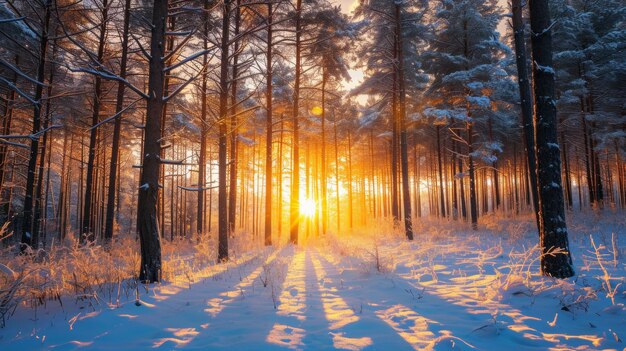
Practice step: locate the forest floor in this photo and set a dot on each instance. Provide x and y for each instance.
(450, 289)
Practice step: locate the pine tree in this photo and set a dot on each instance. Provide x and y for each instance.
(470, 89)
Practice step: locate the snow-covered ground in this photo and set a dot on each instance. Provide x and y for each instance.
(450, 289)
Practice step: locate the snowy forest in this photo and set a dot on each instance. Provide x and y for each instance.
(312, 174)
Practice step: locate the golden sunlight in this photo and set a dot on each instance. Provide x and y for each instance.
(307, 207)
(317, 111)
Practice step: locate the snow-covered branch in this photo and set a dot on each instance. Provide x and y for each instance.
(20, 73)
(19, 91)
(107, 120)
(111, 76)
(31, 136)
(187, 59)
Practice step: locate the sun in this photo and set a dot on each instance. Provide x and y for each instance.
(317, 111)
(307, 207)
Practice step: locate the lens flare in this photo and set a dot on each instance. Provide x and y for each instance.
(307, 207)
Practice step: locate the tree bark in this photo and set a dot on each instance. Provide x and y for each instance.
(323, 178)
(294, 213)
(44, 142)
(6, 130)
(442, 204)
(87, 230)
(552, 230)
(115, 147)
(234, 141)
(222, 254)
(472, 176)
(149, 235)
(202, 159)
(28, 239)
(269, 130)
(404, 152)
(525, 99)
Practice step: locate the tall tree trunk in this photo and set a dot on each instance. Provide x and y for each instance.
(588, 174)
(294, 211)
(349, 182)
(494, 173)
(6, 130)
(28, 239)
(455, 207)
(61, 208)
(566, 168)
(395, 210)
(470, 146)
(323, 179)
(472, 176)
(115, 147)
(222, 254)
(149, 235)
(526, 100)
(169, 47)
(552, 230)
(462, 190)
(44, 142)
(234, 141)
(269, 130)
(417, 176)
(202, 159)
(279, 186)
(597, 171)
(87, 230)
(46, 194)
(440, 172)
(338, 205)
(404, 148)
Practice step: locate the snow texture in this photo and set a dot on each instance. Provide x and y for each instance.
(451, 289)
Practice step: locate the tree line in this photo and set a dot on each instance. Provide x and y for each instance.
(208, 120)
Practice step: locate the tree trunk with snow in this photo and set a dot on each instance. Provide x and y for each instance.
(149, 236)
(28, 238)
(552, 229)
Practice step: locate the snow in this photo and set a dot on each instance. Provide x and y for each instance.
(480, 101)
(7, 13)
(475, 85)
(545, 69)
(8, 271)
(246, 141)
(554, 146)
(450, 289)
(441, 115)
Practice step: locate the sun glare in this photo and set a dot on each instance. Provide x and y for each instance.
(317, 111)
(307, 207)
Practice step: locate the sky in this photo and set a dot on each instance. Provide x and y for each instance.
(346, 5)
